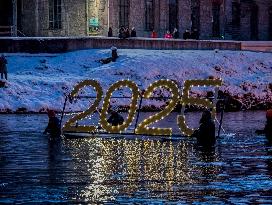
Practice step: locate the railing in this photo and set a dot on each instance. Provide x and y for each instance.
(21, 33)
(6, 31)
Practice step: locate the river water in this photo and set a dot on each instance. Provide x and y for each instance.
(128, 171)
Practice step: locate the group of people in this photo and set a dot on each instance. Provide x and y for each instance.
(191, 35)
(3, 67)
(186, 35)
(205, 134)
(125, 32)
(170, 35)
(54, 124)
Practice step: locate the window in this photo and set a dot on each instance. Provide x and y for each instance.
(149, 15)
(124, 13)
(216, 19)
(173, 14)
(55, 14)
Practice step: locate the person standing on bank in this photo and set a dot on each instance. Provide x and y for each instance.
(133, 32)
(122, 33)
(195, 34)
(186, 34)
(127, 33)
(154, 34)
(168, 35)
(110, 32)
(205, 134)
(175, 33)
(3, 67)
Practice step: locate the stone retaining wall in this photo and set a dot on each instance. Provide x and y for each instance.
(263, 46)
(63, 44)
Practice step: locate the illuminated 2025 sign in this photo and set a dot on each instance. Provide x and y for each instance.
(144, 127)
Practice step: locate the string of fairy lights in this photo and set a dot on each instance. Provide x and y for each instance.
(187, 100)
(131, 113)
(143, 128)
(68, 126)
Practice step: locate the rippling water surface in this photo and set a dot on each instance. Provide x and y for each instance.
(143, 171)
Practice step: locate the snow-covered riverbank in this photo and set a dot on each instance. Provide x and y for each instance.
(37, 82)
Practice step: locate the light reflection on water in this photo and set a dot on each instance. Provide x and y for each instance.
(122, 170)
(151, 168)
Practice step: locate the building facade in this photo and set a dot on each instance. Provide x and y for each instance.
(214, 19)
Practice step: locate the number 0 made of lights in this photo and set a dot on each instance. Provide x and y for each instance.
(131, 113)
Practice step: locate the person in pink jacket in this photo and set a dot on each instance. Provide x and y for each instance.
(168, 35)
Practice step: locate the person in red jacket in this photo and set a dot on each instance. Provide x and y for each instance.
(154, 34)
